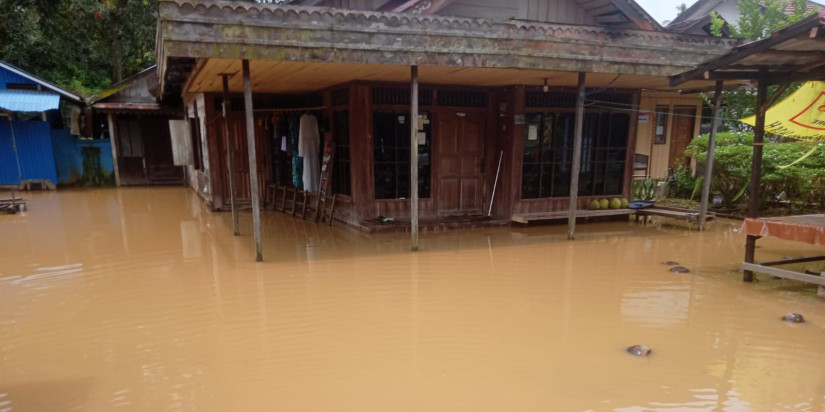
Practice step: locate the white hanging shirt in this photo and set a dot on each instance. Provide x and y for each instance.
(309, 141)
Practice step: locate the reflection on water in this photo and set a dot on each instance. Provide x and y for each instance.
(141, 299)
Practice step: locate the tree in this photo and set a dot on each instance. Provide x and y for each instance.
(82, 45)
(757, 19)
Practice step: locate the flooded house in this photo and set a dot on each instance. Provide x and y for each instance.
(497, 89)
(138, 125)
(36, 142)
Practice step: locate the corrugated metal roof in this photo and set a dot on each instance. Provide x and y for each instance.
(28, 101)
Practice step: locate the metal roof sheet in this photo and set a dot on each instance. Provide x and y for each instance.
(28, 100)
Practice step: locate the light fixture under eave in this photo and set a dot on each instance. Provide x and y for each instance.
(546, 88)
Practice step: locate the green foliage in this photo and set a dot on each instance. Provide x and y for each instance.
(682, 184)
(645, 189)
(802, 182)
(716, 24)
(82, 45)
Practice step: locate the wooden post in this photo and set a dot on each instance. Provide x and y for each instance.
(230, 155)
(756, 167)
(253, 161)
(414, 156)
(717, 104)
(576, 160)
(113, 132)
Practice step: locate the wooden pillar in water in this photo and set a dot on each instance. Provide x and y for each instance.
(230, 155)
(756, 167)
(414, 156)
(717, 104)
(576, 160)
(253, 161)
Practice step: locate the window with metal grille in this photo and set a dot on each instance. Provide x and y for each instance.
(340, 97)
(391, 152)
(400, 96)
(341, 183)
(548, 151)
(462, 98)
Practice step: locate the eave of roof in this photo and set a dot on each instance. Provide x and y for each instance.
(244, 30)
(121, 85)
(48, 85)
(794, 53)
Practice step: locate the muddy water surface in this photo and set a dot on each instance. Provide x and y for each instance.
(142, 300)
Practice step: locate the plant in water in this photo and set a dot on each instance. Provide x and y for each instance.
(645, 189)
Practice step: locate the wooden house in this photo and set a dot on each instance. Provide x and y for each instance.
(498, 86)
(138, 124)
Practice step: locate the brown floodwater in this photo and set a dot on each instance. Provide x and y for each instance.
(142, 300)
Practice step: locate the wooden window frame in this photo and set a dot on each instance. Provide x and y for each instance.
(662, 110)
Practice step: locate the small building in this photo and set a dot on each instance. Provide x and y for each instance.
(138, 124)
(497, 87)
(30, 119)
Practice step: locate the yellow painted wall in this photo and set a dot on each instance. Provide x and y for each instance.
(659, 153)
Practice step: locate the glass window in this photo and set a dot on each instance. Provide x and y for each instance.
(660, 124)
(548, 149)
(391, 154)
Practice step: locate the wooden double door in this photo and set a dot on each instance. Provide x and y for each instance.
(459, 155)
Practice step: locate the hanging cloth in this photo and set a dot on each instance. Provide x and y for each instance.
(291, 150)
(309, 141)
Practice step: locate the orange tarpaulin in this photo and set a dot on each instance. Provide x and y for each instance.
(803, 228)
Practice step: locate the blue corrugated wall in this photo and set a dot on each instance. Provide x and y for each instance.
(34, 149)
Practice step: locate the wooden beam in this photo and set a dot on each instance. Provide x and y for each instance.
(253, 161)
(783, 273)
(756, 168)
(576, 161)
(414, 156)
(717, 105)
(230, 156)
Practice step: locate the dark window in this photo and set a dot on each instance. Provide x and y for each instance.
(194, 134)
(660, 124)
(391, 139)
(21, 86)
(548, 150)
(341, 164)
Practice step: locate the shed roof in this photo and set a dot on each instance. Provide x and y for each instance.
(794, 53)
(47, 85)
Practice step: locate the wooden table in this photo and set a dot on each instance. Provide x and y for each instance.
(802, 228)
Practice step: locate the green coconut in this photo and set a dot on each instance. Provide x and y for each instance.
(624, 203)
(604, 204)
(594, 205)
(615, 203)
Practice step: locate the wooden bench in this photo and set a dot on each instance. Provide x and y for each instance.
(527, 218)
(692, 217)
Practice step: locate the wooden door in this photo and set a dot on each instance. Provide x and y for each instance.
(459, 152)
(130, 151)
(160, 165)
(681, 133)
(237, 138)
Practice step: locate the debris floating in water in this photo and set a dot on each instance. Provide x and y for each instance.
(639, 350)
(679, 269)
(793, 318)
(670, 263)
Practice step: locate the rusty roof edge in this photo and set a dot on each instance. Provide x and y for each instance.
(458, 23)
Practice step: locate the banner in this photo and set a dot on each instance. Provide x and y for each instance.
(800, 116)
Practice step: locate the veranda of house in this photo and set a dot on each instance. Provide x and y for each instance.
(482, 98)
